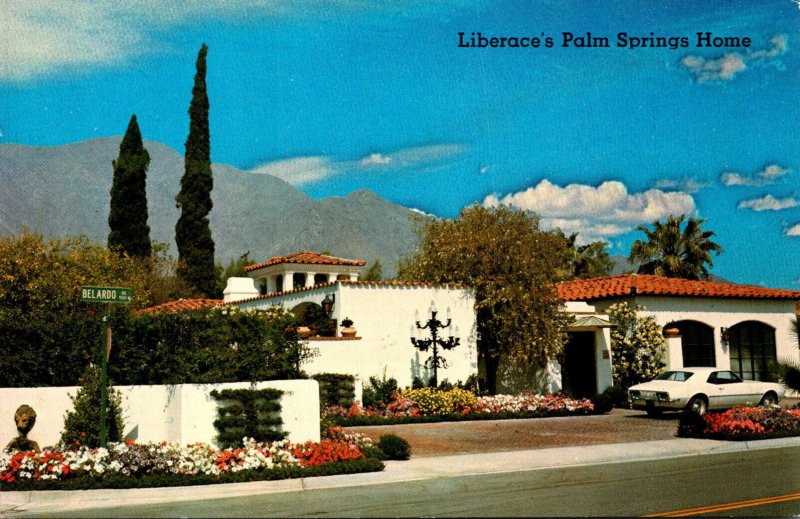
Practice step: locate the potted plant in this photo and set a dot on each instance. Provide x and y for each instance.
(670, 330)
(347, 328)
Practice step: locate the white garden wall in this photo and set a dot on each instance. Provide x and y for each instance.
(182, 413)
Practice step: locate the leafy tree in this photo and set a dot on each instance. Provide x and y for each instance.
(82, 424)
(513, 267)
(127, 219)
(674, 252)
(637, 345)
(46, 331)
(193, 231)
(374, 272)
(235, 269)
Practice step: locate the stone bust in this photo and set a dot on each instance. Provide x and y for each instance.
(25, 419)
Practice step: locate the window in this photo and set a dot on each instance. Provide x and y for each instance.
(677, 376)
(697, 344)
(753, 354)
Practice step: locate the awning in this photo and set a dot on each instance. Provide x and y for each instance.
(591, 321)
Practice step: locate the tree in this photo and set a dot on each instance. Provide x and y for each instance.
(193, 231)
(512, 267)
(586, 261)
(127, 219)
(637, 346)
(374, 272)
(82, 424)
(672, 252)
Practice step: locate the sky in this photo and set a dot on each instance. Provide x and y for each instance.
(622, 115)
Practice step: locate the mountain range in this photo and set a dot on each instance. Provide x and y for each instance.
(64, 190)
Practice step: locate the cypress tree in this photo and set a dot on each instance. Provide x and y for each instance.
(193, 232)
(128, 216)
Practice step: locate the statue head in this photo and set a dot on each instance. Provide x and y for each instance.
(25, 417)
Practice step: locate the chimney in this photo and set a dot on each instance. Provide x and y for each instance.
(239, 289)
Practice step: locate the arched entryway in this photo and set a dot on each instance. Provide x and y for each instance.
(697, 344)
(578, 365)
(753, 354)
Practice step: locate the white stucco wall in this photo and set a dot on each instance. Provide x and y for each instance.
(383, 315)
(719, 313)
(182, 413)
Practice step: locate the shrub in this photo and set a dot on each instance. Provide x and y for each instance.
(335, 389)
(253, 413)
(613, 396)
(431, 401)
(691, 425)
(380, 392)
(394, 447)
(637, 345)
(82, 424)
(603, 402)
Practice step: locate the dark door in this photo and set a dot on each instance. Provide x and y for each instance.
(578, 371)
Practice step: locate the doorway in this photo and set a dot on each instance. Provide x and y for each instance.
(579, 370)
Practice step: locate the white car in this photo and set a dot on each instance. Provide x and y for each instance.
(700, 389)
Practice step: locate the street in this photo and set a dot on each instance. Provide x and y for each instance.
(750, 483)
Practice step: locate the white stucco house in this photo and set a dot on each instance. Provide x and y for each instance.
(384, 315)
(744, 328)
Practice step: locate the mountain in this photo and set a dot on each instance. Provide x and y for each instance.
(64, 190)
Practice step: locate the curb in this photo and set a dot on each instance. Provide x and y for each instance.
(395, 472)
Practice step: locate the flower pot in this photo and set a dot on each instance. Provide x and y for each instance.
(303, 331)
(672, 332)
(348, 332)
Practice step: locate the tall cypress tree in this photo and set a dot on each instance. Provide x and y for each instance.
(193, 232)
(128, 216)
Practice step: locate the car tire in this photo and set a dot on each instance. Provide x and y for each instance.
(769, 400)
(697, 405)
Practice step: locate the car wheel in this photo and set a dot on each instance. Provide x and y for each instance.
(697, 405)
(769, 400)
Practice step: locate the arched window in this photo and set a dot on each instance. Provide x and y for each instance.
(697, 344)
(753, 354)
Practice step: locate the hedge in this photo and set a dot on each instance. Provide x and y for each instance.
(198, 347)
(335, 389)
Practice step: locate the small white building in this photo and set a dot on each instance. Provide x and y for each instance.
(744, 328)
(384, 315)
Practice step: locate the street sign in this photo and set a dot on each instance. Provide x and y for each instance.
(106, 294)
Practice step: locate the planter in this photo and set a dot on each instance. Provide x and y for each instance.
(348, 332)
(672, 332)
(303, 331)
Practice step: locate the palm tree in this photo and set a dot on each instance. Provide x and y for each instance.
(672, 252)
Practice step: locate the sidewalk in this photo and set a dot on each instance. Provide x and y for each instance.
(44, 502)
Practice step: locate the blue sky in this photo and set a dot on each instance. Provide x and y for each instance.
(344, 95)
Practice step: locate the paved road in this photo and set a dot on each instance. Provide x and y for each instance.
(616, 489)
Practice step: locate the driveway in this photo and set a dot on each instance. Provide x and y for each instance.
(440, 439)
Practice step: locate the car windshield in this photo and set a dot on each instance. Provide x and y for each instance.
(678, 376)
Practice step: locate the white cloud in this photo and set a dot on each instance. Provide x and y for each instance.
(688, 185)
(760, 178)
(298, 170)
(375, 159)
(794, 231)
(43, 37)
(306, 170)
(729, 65)
(768, 203)
(595, 212)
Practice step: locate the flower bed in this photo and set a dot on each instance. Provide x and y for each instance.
(742, 423)
(127, 465)
(433, 405)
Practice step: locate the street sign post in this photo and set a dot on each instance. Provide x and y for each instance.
(94, 294)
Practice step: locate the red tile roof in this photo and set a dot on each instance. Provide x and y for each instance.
(306, 257)
(647, 285)
(183, 305)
